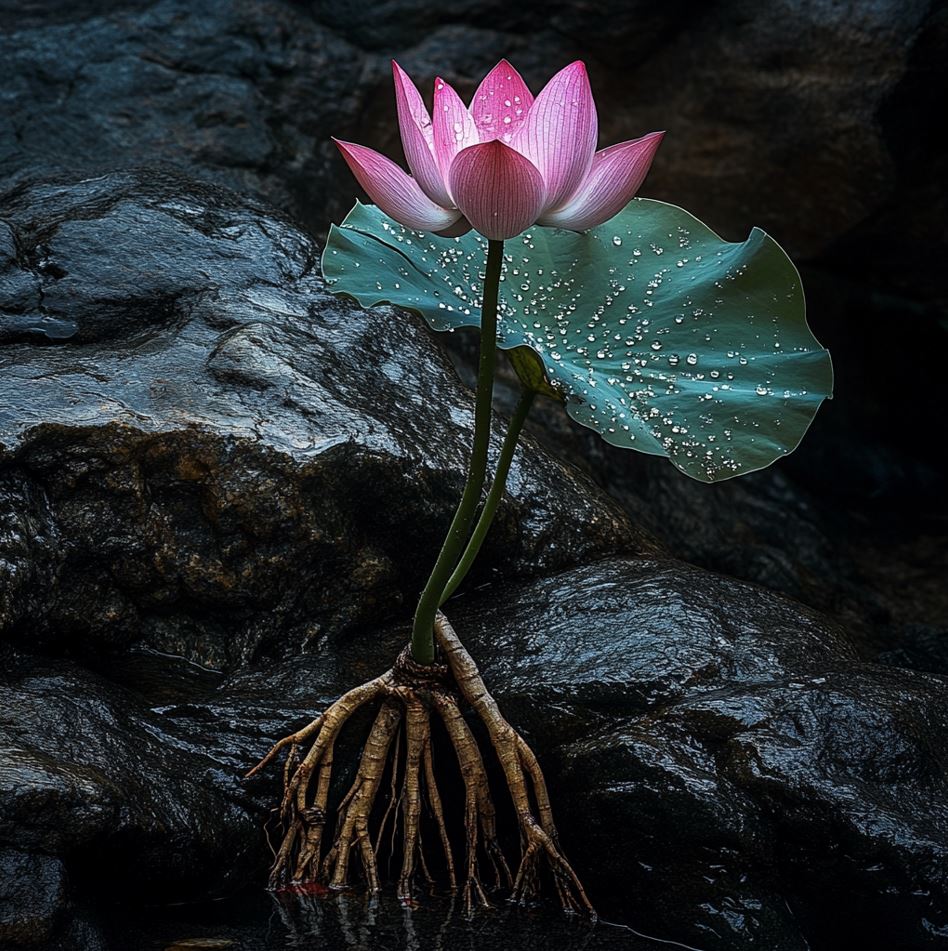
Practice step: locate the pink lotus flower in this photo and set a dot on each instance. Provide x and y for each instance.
(506, 162)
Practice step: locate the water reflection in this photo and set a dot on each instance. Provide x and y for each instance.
(350, 921)
(359, 923)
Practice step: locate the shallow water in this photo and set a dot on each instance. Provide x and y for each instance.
(350, 922)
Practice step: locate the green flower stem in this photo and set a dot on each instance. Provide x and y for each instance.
(422, 635)
(494, 496)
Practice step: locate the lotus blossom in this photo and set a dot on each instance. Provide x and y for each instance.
(505, 162)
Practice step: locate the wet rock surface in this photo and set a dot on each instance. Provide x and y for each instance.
(203, 451)
(248, 93)
(722, 751)
(726, 771)
(820, 98)
(90, 771)
(32, 895)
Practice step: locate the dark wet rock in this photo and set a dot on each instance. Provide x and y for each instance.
(249, 92)
(92, 774)
(721, 757)
(36, 909)
(27, 548)
(32, 895)
(244, 93)
(81, 934)
(99, 803)
(204, 451)
(125, 790)
(816, 804)
(726, 771)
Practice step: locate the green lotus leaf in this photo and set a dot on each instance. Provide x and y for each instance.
(660, 335)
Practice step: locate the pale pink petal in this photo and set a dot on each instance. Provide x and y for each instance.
(418, 137)
(396, 193)
(559, 134)
(615, 176)
(499, 191)
(454, 129)
(500, 103)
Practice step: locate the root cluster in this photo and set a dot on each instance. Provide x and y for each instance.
(410, 697)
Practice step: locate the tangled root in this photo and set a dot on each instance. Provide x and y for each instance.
(410, 695)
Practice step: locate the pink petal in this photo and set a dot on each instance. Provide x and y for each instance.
(559, 134)
(498, 190)
(615, 176)
(501, 102)
(461, 226)
(396, 193)
(454, 129)
(418, 138)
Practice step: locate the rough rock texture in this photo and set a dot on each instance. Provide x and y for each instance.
(250, 91)
(202, 450)
(726, 771)
(722, 751)
(810, 119)
(32, 896)
(89, 767)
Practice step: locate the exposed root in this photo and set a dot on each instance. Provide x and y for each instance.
(353, 825)
(479, 814)
(393, 800)
(417, 737)
(315, 822)
(518, 761)
(410, 695)
(434, 797)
